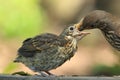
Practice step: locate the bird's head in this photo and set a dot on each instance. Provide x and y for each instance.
(95, 19)
(72, 32)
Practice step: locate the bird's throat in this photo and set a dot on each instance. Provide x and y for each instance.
(72, 44)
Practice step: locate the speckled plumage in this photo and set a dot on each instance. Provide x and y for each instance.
(48, 51)
(106, 22)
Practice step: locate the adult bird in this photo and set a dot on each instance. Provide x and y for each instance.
(104, 21)
(49, 51)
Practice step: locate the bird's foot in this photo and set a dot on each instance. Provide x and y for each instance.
(46, 74)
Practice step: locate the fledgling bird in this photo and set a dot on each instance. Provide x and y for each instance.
(49, 51)
(106, 22)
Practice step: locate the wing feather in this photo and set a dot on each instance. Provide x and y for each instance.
(31, 46)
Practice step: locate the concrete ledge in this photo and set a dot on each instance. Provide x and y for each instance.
(16, 77)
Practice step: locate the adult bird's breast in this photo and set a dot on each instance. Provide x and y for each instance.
(113, 39)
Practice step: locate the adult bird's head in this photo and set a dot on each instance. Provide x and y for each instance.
(106, 22)
(72, 32)
(95, 19)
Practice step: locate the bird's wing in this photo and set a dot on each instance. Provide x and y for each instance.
(37, 44)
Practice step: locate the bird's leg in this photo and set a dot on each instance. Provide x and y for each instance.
(46, 73)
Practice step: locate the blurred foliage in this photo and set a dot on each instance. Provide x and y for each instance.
(11, 66)
(103, 70)
(21, 18)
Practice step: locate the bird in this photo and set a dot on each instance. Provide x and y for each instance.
(48, 51)
(106, 22)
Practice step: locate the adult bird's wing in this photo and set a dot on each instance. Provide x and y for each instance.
(31, 46)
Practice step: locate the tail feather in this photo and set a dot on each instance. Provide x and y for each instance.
(17, 59)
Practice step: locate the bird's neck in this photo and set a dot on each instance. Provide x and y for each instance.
(103, 25)
(106, 28)
(71, 42)
(62, 36)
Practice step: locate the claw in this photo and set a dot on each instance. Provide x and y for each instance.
(46, 74)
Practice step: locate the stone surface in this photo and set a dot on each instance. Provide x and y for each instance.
(17, 77)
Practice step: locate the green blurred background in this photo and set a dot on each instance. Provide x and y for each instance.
(20, 19)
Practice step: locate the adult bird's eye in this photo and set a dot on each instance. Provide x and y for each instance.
(71, 28)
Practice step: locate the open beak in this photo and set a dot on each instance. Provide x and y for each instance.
(82, 34)
(79, 33)
(79, 29)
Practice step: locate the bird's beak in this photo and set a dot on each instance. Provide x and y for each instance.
(81, 34)
(79, 25)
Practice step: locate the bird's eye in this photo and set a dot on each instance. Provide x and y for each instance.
(71, 28)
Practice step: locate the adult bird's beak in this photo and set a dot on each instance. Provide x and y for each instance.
(79, 29)
(80, 33)
(79, 25)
